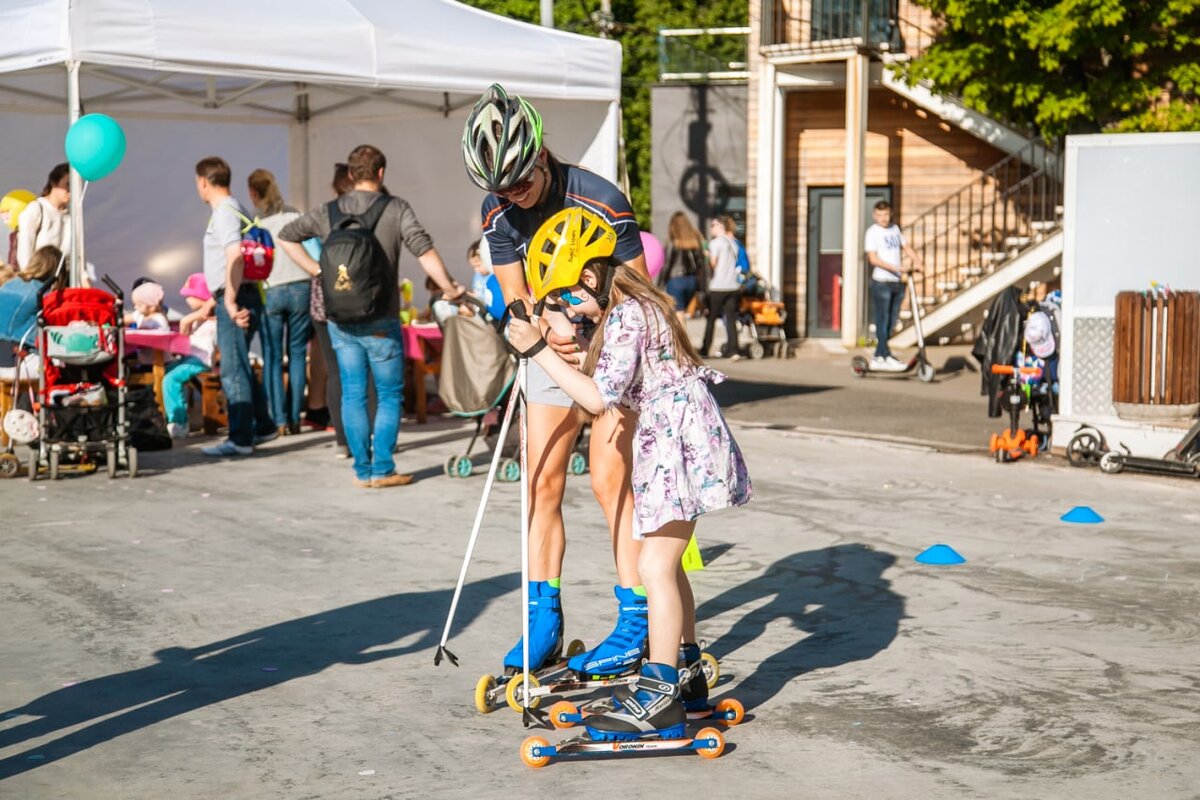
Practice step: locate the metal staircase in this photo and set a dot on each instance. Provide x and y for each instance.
(1001, 228)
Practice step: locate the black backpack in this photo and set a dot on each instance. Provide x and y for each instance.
(355, 272)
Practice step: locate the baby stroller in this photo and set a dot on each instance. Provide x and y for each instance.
(81, 401)
(762, 318)
(476, 379)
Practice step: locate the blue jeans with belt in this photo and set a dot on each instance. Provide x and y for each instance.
(375, 347)
(248, 415)
(287, 309)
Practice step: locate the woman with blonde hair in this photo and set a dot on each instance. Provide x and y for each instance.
(287, 324)
(684, 267)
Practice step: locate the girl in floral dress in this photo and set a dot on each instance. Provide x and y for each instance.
(686, 461)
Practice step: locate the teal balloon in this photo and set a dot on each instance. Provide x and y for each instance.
(95, 146)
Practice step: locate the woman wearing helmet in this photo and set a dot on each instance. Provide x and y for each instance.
(526, 185)
(686, 462)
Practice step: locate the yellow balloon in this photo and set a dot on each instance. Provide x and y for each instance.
(14, 203)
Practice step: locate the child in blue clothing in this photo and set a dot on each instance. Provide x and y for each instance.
(686, 461)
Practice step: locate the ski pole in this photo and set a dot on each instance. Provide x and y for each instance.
(487, 491)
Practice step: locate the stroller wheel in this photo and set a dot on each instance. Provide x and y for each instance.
(510, 471)
(10, 465)
(755, 350)
(450, 467)
(464, 467)
(578, 464)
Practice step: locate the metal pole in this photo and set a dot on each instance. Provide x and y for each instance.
(547, 13)
(74, 111)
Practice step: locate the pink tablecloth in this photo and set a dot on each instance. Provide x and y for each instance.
(168, 341)
(415, 336)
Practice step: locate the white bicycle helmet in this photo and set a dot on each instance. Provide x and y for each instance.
(501, 140)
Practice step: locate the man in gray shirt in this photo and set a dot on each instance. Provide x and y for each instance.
(723, 291)
(239, 311)
(374, 345)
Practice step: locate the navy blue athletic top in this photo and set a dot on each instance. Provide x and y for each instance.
(509, 228)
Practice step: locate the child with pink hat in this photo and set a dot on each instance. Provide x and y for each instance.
(202, 324)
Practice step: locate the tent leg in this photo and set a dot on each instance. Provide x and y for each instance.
(74, 111)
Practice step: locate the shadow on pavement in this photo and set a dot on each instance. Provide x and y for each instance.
(185, 679)
(837, 595)
(734, 391)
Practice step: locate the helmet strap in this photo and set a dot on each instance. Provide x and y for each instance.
(602, 294)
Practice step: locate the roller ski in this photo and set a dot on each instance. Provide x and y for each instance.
(545, 653)
(698, 674)
(648, 716)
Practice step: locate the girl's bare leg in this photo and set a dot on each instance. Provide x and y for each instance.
(668, 592)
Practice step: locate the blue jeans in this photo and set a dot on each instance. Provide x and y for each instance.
(174, 387)
(287, 307)
(681, 288)
(248, 414)
(886, 297)
(376, 347)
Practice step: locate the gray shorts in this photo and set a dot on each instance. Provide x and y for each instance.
(545, 391)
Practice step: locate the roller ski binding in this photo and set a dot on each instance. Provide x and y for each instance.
(647, 716)
(545, 653)
(698, 674)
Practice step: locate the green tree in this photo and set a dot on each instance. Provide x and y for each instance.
(1069, 66)
(635, 24)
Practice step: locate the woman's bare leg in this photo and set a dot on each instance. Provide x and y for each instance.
(610, 457)
(549, 437)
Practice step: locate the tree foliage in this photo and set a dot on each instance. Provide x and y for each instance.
(1070, 66)
(635, 24)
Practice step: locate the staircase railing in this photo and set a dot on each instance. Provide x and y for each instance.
(1010, 207)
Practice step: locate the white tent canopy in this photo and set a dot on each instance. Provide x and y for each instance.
(289, 85)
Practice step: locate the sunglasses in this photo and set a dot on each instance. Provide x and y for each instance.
(519, 188)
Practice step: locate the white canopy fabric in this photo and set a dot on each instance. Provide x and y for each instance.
(289, 85)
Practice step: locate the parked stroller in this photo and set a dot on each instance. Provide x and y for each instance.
(81, 401)
(476, 380)
(762, 318)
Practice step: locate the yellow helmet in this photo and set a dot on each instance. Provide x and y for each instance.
(14, 203)
(563, 246)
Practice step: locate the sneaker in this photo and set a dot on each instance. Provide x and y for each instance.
(227, 449)
(395, 479)
(878, 362)
(177, 430)
(895, 363)
(263, 438)
(283, 430)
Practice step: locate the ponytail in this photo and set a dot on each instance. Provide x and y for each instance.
(262, 182)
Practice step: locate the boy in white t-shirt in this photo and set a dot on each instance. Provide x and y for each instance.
(884, 246)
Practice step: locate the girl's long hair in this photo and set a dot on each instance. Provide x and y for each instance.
(270, 200)
(55, 178)
(683, 233)
(628, 283)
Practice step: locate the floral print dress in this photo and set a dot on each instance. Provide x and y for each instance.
(685, 460)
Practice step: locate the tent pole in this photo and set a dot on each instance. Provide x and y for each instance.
(74, 110)
(547, 13)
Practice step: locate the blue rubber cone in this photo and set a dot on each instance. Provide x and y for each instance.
(941, 554)
(1082, 515)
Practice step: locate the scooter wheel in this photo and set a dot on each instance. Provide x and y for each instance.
(1110, 463)
(925, 371)
(859, 366)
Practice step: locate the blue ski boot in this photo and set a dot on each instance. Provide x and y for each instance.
(693, 693)
(545, 630)
(650, 707)
(625, 647)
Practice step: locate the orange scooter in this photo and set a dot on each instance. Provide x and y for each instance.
(1014, 443)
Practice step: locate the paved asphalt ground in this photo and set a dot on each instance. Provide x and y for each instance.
(261, 629)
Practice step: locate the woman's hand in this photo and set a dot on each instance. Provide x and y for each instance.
(523, 335)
